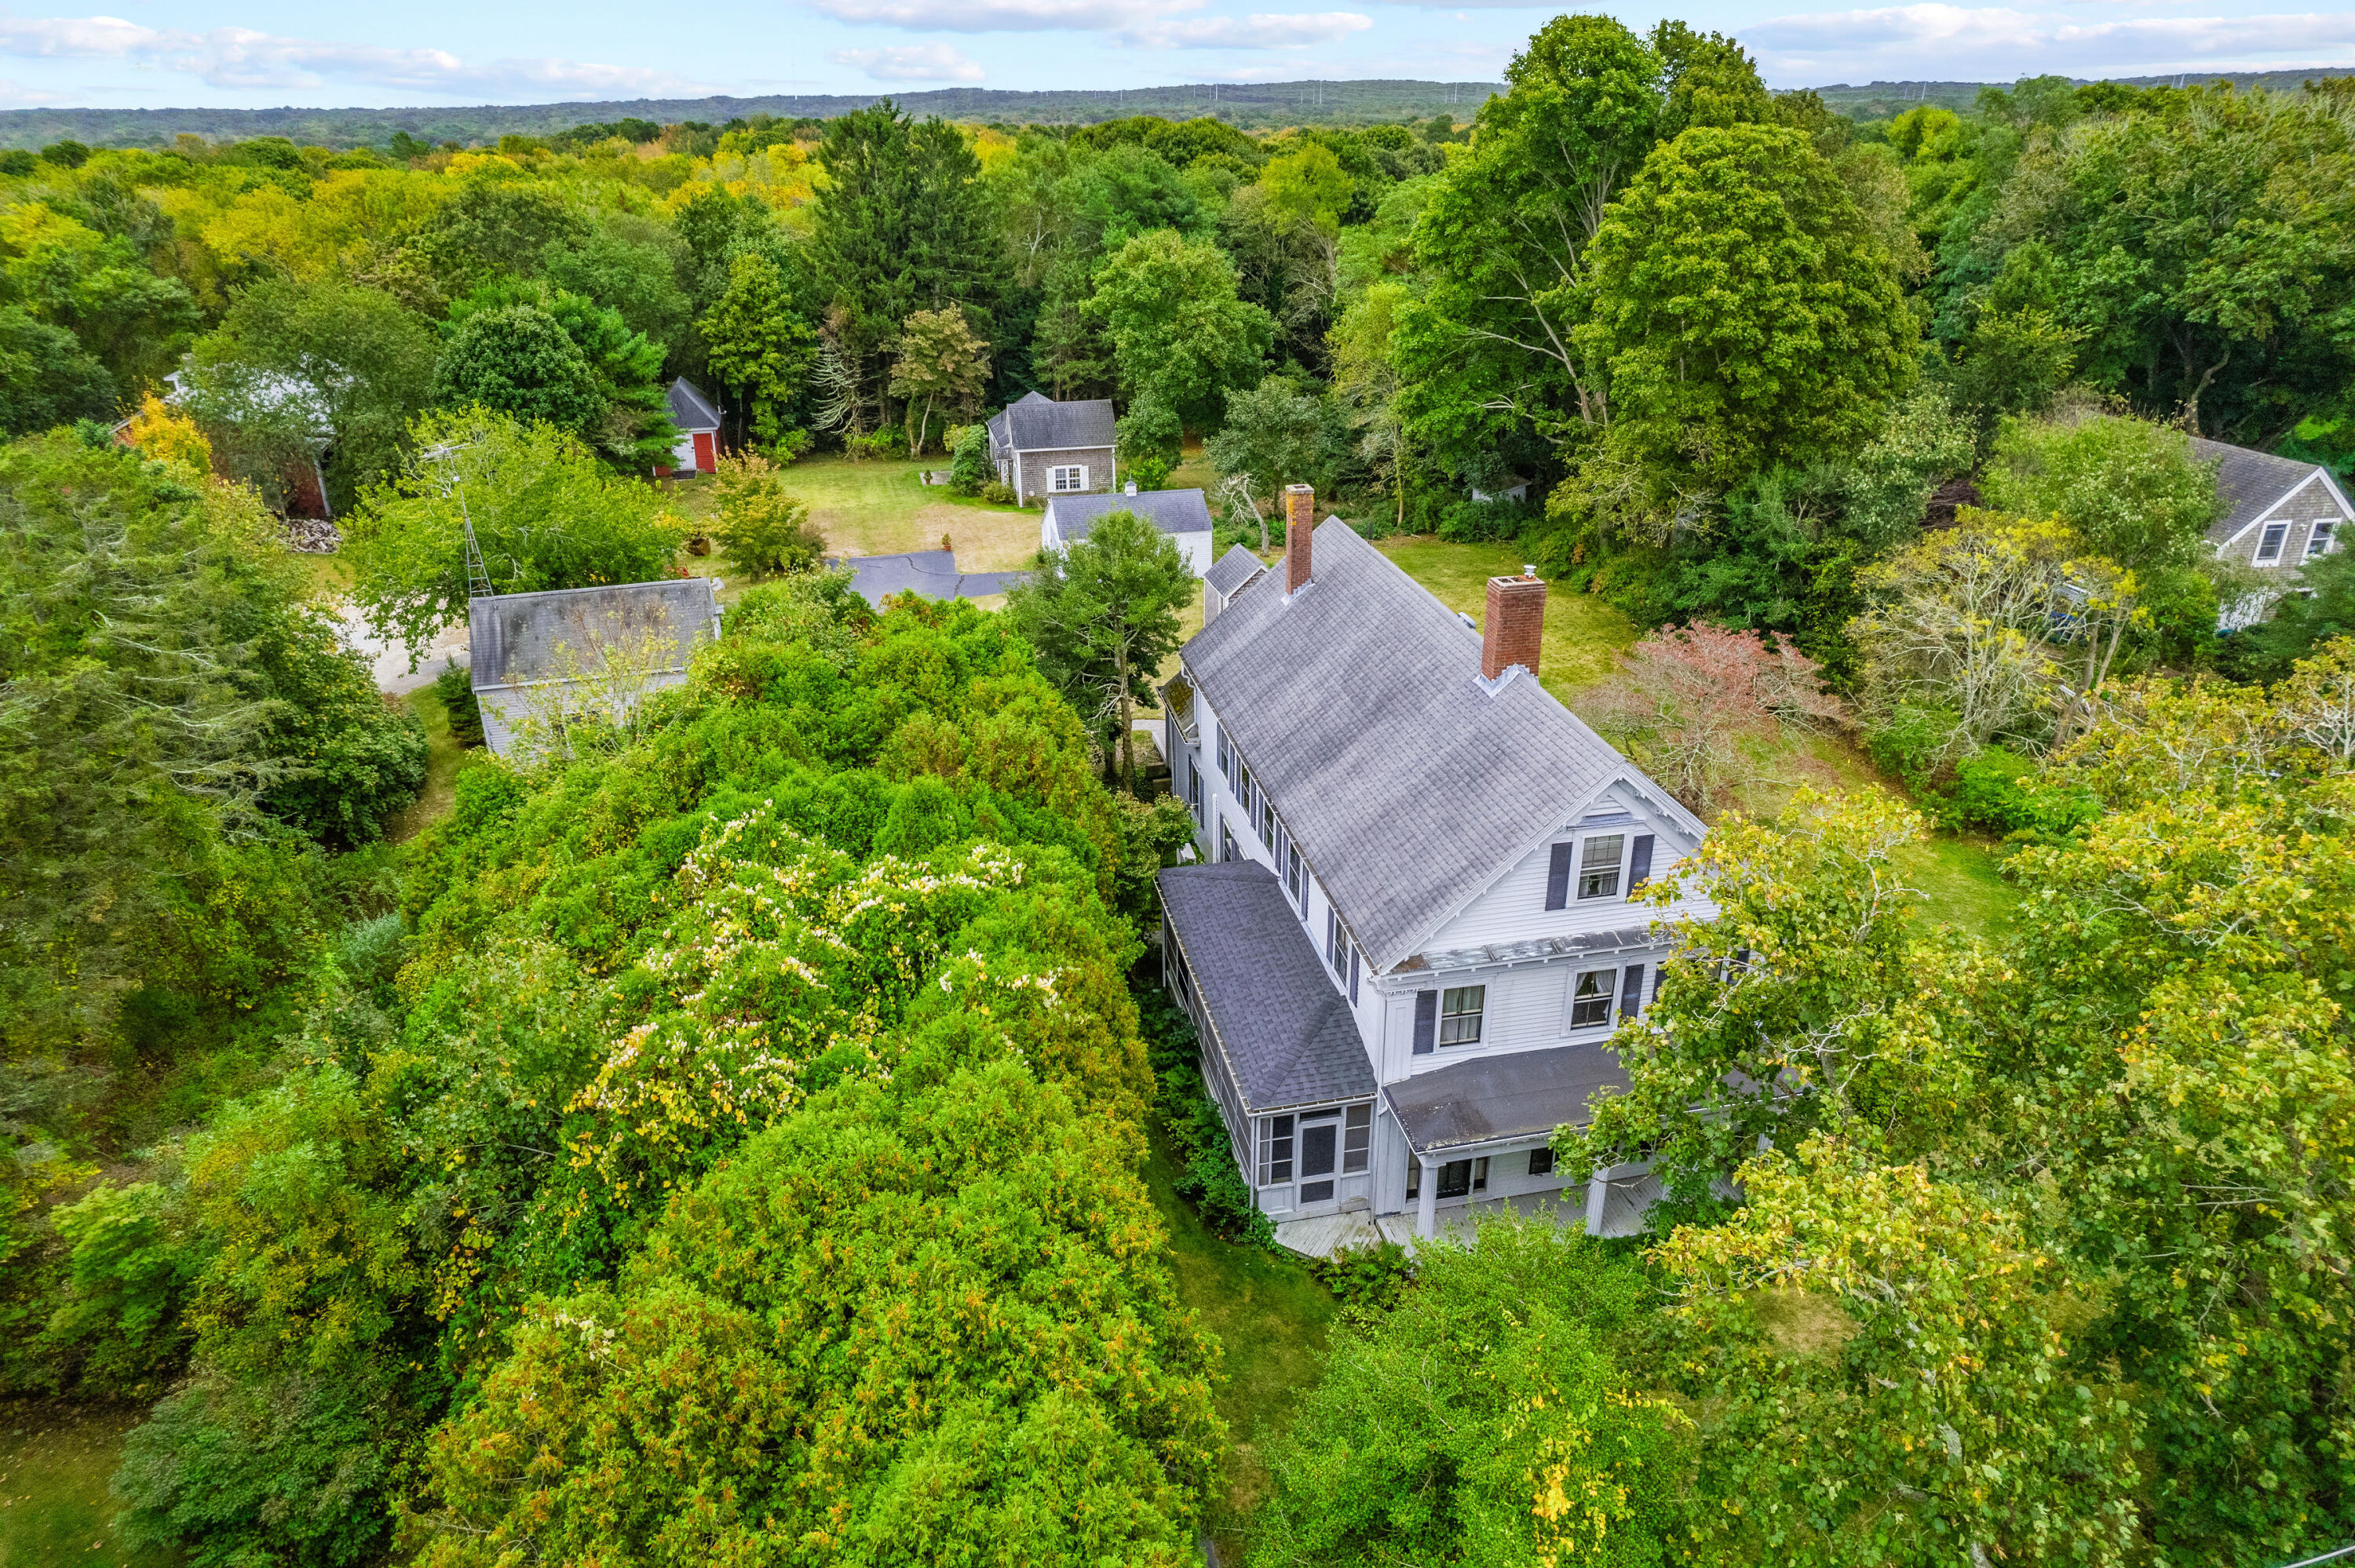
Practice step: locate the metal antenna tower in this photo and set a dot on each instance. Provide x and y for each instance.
(444, 459)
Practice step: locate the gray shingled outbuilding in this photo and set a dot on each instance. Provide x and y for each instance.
(1044, 448)
(1182, 514)
(607, 647)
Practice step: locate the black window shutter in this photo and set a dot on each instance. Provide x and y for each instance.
(1631, 991)
(1558, 877)
(1426, 1022)
(1353, 974)
(1639, 865)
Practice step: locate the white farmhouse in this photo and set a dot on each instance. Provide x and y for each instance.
(1183, 514)
(1416, 927)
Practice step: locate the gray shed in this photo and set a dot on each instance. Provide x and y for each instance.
(542, 655)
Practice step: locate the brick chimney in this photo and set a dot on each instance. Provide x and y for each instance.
(1516, 626)
(1299, 522)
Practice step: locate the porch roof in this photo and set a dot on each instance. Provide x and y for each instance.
(1491, 1099)
(1276, 1018)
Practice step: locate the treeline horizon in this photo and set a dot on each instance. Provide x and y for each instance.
(1256, 106)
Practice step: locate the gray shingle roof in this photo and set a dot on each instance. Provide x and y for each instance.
(931, 573)
(517, 637)
(1038, 423)
(1283, 1026)
(2249, 481)
(1358, 703)
(1518, 1094)
(1234, 569)
(1171, 510)
(690, 408)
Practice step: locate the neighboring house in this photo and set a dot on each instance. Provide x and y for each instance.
(295, 483)
(697, 450)
(1235, 570)
(544, 657)
(1183, 514)
(2279, 513)
(1044, 448)
(1418, 924)
(931, 573)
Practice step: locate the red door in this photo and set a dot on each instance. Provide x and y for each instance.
(705, 462)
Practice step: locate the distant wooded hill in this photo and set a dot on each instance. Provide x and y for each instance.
(1253, 107)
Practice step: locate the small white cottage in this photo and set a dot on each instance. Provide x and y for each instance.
(1183, 514)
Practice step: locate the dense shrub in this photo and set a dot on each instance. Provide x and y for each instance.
(1486, 521)
(969, 464)
(1495, 1414)
(998, 493)
(1997, 789)
(455, 685)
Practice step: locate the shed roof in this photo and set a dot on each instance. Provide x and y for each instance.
(1171, 510)
(690, 408)
(1409, 783)
(1284, 1027)
(1234, 569)
(517, 639)
(1038, 423)
(1520, 1094)
(931, 573)
(2249, 482)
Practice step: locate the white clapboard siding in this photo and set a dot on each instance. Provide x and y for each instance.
(1513, 908)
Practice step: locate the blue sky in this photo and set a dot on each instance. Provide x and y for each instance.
(253, 53)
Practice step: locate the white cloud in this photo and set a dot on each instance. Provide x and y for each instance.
(1255, 32)
(15, 94)
(921, 62)
(1143, 23)
(2001, 43)
(1001, 15)
(241, 57)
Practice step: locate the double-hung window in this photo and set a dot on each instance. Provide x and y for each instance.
(1460, 1008)
(1589, 998)
(1226, 757)
(2269, 542)
(1598, 865)
(1357, 1137)
(1194, 787)
(1067, 479)
(1227, 850)
(2317, 540)
(1337, 943)
(1295, 877)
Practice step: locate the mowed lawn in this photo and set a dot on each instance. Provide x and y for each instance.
(56, 1462)
(881, 508)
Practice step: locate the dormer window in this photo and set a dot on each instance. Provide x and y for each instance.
(1598, 865)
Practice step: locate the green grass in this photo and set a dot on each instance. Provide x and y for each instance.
(880, 507)
(444, 760)
(1965, 881)
(1270, 1316)
(1583, 635)
(55, 1464)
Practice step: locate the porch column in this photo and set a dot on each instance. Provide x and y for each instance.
(1427, 1213)
(1598, 1192)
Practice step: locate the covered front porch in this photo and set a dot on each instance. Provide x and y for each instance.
(1613, 1207)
